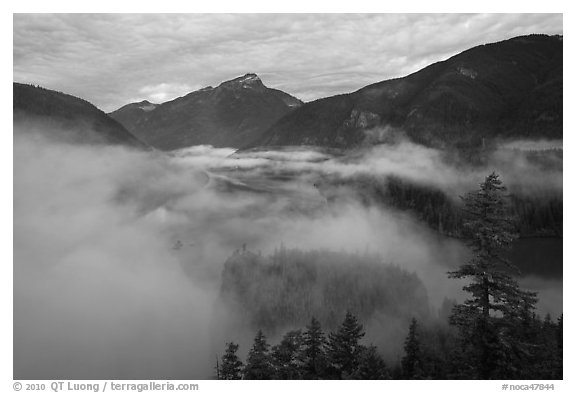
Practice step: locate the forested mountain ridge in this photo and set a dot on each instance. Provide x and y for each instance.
(506, 89)
(290, 286)
(57, 112)
(130, 114)
(233, 114)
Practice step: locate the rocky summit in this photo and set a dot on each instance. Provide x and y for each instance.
(234, 114)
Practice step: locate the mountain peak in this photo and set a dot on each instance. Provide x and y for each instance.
(145, 102)
(247, 80)
(146, 106)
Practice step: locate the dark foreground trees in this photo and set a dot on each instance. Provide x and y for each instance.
(493, 323)
(310, 355)
(288, 358)
(231, 367)
(430, 352)
(412, 361)
(344, 348)
(259, 362)
(315, 362)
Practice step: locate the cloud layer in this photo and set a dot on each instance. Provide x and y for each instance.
(114, 59)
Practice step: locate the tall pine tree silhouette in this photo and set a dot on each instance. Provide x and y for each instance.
(231, 367)
(259, 362)
(496, 300)
(288, 357)
(412, 361)
(344, 347)
(370, 365)
(314, 351)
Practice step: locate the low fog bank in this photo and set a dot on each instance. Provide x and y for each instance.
(525, 166)
(97, 291)
(532, 145)
(118, 253)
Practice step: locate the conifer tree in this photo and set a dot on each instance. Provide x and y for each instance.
(231, 367)
(412, 362)
(497, 302)
(344, 347)
(287, 356)
(371, 365)
(314, 342)
(258, 363)
(559, 352)
(544, 363)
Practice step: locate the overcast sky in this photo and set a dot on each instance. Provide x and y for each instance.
(113, 59)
